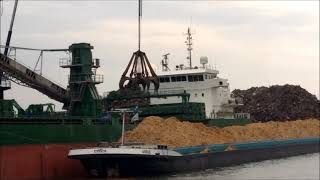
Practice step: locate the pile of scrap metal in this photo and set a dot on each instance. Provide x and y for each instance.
(287, 102)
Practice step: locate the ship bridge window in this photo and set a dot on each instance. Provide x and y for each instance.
(194, 78)
(164, 79)
(178, 78)
(200, 77)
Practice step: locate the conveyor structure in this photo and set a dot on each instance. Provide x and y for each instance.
(32, 79)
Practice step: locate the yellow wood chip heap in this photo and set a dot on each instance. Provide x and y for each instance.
(175, 133)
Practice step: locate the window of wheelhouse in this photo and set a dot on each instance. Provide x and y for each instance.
(178, 78)
(194, 78)
(200, 77)
(173, 79)
(164, 79)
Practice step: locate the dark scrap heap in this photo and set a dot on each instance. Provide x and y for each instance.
(287, 102)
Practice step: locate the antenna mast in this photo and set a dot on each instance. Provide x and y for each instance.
(189, 45)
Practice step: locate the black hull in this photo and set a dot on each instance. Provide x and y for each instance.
(128, 166)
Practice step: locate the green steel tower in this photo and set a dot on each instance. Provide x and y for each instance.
(84, 97)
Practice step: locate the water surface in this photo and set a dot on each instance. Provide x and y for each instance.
(305, 167)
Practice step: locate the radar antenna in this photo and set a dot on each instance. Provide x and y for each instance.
(165, 63)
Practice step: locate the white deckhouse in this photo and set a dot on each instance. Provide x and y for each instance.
(202, 83)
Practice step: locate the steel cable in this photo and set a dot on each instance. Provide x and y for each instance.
(1, 12)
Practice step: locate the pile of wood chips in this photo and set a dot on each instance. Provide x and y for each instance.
(175, 133)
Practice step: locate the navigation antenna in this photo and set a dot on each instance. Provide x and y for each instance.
(189, 45)
(165, 63)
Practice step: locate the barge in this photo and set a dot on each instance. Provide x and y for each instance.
(133, 160)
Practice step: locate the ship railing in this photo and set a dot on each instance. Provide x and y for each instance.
(95, 78)
(65, 62)
(242, 115)
(168, 92)
(39, 120)
(34, 120)
(152, 92)
(68, 62)
(5, 83)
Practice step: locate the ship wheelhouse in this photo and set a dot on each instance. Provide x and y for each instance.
(203, 85)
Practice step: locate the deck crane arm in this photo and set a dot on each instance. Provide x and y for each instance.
(3, 80)
(11, 27)
(32, 79)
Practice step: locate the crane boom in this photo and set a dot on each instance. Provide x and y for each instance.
(32, 79)
(11, 27)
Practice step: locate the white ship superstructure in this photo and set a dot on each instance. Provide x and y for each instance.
(202, 83)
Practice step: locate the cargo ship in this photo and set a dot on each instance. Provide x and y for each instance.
(42, 137)
(35, 141)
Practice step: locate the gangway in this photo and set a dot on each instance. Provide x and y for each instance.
(32, 79)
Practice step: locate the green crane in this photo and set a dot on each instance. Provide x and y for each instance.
(84, 97)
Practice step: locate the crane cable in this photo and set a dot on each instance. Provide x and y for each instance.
(139, 23)
(1, 12)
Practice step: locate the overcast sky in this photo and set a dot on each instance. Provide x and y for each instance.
(251, 43)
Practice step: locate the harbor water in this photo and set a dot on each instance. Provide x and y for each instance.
(304, 167)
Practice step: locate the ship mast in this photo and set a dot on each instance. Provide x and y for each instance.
(189, 45)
